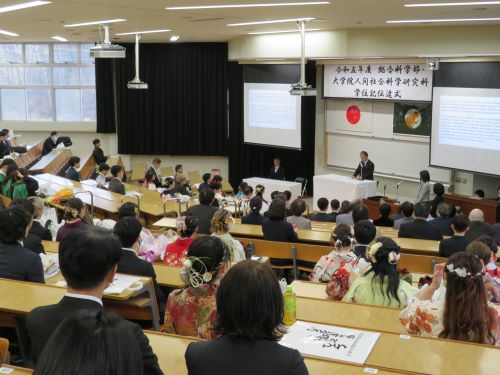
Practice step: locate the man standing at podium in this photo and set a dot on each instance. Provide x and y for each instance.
(277, 172)
(365, 168)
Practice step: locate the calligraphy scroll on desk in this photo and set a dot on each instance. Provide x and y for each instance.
(401, 82)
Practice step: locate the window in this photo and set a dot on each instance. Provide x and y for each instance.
(47, 82)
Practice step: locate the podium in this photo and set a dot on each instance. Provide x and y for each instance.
(374, 204)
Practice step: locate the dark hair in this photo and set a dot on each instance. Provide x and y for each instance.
(364, 232)
(480, 250)
(425, 176)
(169, 181)
(255, 204)
(438, 188)
(91, 342)
(275, 194)
(206, 196)
(364, 153)
(242, 185)
(206, 177)
(115, 169)
(277, 210)
(421, 210)
(53, 133)
(359, 212)
(219, 222)
(96, 141)
(406, 208)
(385, 209)
(7, 162)
(444, 209)
(28, 205)
(298, 207)
(215, 186)
(344, 207)
(4, 132)
(210, 250)
(127, 209)
(156, 161)
(334, 204)
(177, 167)
(322, 204)
(217, 178)
(287, 194)
(190, 226)
(466, 315)
(73, 208)
(13, 223)
(460, 222)
(87, 256)
(74, 160)
(128, 230)
(489, 241)
(248, 190)
(259, 190)
(250, 284)
(383, 268)
(479, 193)
(342, 236)
(103, 167)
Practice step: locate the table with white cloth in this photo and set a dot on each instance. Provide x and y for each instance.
(275, 185)
(333, 186)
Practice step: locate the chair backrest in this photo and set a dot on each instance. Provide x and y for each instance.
(5, 201)
(194, 177)
(4, 350)
(138, 171)
(167, 171)
(420, 263)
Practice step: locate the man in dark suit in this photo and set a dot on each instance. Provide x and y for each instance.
(204, 212)
(277, 172)
(496, 231)
(458, 242)
(32, 241)
(88, 260)
(364, 233)
(116, 184)
(420, 228)
(98, 153)
(49, 144)
(365, 168)
(443, 222)
(207, 181)
(72, 172)
(16, 261)
(322, 215)
(5, 146)
(154, 170)
(477, 226)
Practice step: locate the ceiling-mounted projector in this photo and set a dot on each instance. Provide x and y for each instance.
(106, 49)
(303, 91)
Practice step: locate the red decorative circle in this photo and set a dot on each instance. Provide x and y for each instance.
(353, 114)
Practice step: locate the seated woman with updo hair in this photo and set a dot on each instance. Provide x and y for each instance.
(191, 310)
(176, 252)
(74, 213)
(222, 223)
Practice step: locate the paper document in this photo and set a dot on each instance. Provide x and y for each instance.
(123, 282)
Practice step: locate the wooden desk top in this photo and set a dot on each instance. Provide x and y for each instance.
(52, 162)
(17, 370)
(26, 159)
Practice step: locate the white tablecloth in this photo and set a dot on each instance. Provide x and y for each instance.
(333, 186)
(275, 185)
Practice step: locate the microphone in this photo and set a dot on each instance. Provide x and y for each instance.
(399, 183)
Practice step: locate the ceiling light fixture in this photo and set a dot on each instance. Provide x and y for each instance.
(103, 22)
(59, 38)
(279, 32)
(467, 3)
(271, 21)
(30, 4)
(145, 32)
(9, 33)
(256, 5)
(174, 38)
(446, 20)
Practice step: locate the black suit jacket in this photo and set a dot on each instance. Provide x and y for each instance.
(72, 174)
(477, 229)
(99, 156)
(48, 146)
(366, 172)
(34, 243)
(278, 230)
(5, 148)
(322, 216)
(156, 180)
(278, 175)
(360, 251)
(496, 232)
(255, 219)
(116, 186)
(444, 225)
(43, 321)
(383, 222)
(420, 229)
(42, 232)
(19, 263)
(204, 213)
(227, 356)
(452, 245)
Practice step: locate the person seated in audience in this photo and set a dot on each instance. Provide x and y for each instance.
(98, 153)
(18, 185)
(247, 193)
(74, 212)
(254, 216)
(424, 193)
(100, 176)
(182, 185)
(203, 211)
(222, 223)
(191, 310)
(478, 194)
(420, 228)
(149, 181)
(464, 314)
(346, 216)
(335, 207)
(50, 143)
(341, 257)
(250, 312)
(176, 252)
(207, 180)
(217, 189)
(37, 227)
(6, 166)
(322, 214)
(491, 266)
(116, 185)
(169, 190)
(154, 169)
(16, 261)
(241, 190)
(5, 146)
(91, 342)
(381, 285)
(458, 242)
(288, 195)
(297, 209)
(443, 220)
(477, 226)
(88, 260)
(438, 190)
(344, 207)
(32, 241)
(406, 209)
(128, 231)
(359, 212)
(482, 249)
(179, 169)
(275, 227)
(384, 220)
(259, 192)
(364, 233)
(72, 172)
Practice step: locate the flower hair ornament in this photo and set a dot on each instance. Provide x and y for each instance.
(192, 277)
(339, 242)
(180, 224)
(72, 211)
(372, 250)
(461, 272)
